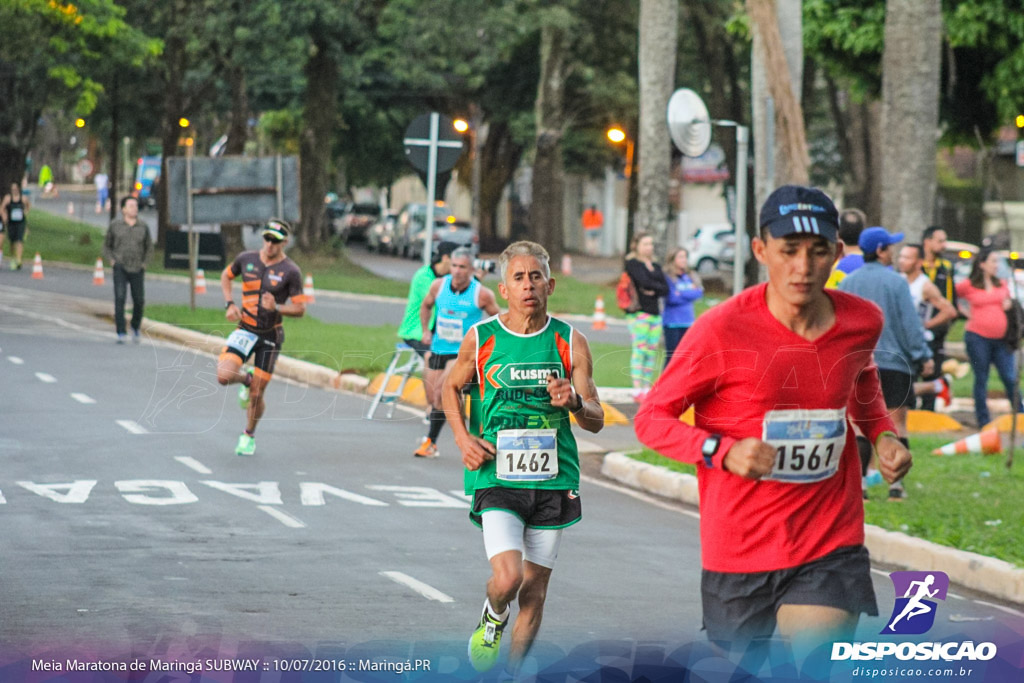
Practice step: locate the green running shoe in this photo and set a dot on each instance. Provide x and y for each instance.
(243, 392)
(485, 642)
(246, 445)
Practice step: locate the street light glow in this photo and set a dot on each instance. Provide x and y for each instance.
(460, 125)
(1020, 120)
(616, 134)
(183, 122)
(79, 123)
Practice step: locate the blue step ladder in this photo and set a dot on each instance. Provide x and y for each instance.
(405, 362)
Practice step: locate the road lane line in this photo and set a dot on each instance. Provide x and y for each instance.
(427, 591)
(282, 517)
(132, 426)
(193, 464)
(1008, 610)
(48, 379)
(15, 360)
(640, 496)
(83, 398)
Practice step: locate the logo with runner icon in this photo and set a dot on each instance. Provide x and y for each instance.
(916, 593)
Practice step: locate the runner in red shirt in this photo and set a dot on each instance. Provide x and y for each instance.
(776, 375)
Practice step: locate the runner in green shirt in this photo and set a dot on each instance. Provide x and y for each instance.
(532, 372)
(410, 331)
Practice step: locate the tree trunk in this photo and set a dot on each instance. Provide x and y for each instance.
(658, 22)
(174, 60)
(499, 158)
(115, 117)
(548, 173)
(318, 119)
(910, 113)
(776, 73)
(235, 145)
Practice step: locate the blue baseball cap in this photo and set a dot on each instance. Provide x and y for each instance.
(795, 210)
(873, 239)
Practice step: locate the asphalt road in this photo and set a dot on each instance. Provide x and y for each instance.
(131, 527)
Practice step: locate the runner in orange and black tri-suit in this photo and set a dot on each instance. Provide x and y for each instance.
(269, 280)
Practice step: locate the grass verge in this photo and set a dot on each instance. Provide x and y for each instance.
(968, 502)
(357, 348)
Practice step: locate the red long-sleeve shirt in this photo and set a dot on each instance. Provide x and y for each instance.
(737, 363)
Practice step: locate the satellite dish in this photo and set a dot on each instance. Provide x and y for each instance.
(689, 123)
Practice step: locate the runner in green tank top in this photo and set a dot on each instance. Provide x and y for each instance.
(522, 464)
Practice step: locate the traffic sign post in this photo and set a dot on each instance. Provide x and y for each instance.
(432, 145)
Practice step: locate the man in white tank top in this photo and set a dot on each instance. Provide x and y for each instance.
(933, 309)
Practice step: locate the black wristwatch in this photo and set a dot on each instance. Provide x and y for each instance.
(229, 305)
(579, 404)
(710, 447)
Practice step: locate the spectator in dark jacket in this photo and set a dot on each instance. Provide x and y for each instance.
(645, 324)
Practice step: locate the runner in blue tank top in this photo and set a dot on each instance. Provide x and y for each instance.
(461, 302)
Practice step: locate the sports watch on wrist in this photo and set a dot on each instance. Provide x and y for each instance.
(710, 447)
(228, 305)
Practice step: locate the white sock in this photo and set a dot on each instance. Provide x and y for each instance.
(493, 614)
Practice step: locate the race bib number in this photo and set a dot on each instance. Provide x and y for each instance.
(526, 454)
(17, 214)
(242, 341)
(808, 443)
(449, 329)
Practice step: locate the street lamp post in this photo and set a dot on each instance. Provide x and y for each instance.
(617, 136)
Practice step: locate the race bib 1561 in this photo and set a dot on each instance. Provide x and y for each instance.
(808, 443)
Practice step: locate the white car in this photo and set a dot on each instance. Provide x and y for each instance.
(713, 248)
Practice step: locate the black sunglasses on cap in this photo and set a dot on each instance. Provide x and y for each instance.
(271, 239)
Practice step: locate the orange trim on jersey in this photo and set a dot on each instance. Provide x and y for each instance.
(300, 299)
(252, 286)
(231, 275)
(248, 318)
(483, 354)
(565, 353)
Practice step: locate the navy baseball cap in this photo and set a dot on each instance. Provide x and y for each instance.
(873, 239)
(799, 210)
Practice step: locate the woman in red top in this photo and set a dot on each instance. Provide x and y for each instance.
(988, 299)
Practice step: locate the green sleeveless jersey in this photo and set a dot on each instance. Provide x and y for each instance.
(514, 409)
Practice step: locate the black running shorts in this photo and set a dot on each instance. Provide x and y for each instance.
(538, 508)
(437, 361)
(739, 607)
(897, 388)
(264, 354)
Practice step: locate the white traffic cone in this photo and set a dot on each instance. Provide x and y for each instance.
(307, 290)
(97, 273)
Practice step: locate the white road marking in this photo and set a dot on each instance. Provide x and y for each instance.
(193, 464)
(264, 492)
(1008, 610)
(427, 591)
(83, 398)
(132, 426)
(16, 360)
(282, 517)
(48, 379)
(639, 496)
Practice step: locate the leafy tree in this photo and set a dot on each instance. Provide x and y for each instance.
(50, 57)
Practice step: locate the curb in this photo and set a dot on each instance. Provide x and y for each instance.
(977, 572)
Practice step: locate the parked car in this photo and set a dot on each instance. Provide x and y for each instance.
(147, 175)
(381, 235)
(714, 247)
(357, 221)
(460, 233)
(411, 224)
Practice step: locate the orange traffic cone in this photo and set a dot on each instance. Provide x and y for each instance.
(599, 321)
(307, 290)
(37, 267)
(200, 281)
(986, 442)
(97, 273)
